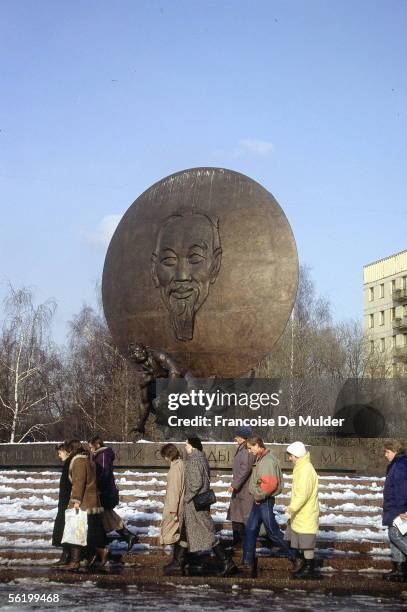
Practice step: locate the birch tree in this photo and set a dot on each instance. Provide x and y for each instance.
(27, 359)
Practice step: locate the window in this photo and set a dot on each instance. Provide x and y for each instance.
(404, 282)
(372, 346)
(394, 341)
(382, 345)
(393, 313)
(405, 339)
(371, 294)
(393, 284)
(371, 321)
(382, 290)
(405, 310)
(381, 319)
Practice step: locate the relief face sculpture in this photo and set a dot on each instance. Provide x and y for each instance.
(185, 262)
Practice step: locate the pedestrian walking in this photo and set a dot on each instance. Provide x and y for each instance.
(84, 496)
(395, 507)
(303, 511)
(199, 526)
(104, 457)
(266, 481)
(242, 500)
(173, 511)
(64, 495)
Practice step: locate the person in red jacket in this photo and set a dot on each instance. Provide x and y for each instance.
(266, 481)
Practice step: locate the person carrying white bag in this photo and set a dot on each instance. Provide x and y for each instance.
(84, 503)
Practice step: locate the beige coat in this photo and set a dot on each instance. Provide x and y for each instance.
(173, 510)
(82, 474)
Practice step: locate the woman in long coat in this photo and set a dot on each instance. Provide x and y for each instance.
(172, 516)
(65, 487)
(303, 509)
(199, 526)
(241, 502)
(104, 456)
(84, 496)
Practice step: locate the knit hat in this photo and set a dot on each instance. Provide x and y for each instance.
(297, 449)
(244, 432)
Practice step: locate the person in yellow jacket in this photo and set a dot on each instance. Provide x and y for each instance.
(303, 509)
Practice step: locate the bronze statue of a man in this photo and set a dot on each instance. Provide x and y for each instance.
(153, 364)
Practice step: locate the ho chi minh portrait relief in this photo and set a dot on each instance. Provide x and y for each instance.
(185, 263)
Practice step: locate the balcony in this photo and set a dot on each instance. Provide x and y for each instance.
(400, 324)
(399, 295)
(400, 352)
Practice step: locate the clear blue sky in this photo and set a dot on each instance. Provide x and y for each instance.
(101, 99)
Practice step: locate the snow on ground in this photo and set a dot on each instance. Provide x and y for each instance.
(89, 596)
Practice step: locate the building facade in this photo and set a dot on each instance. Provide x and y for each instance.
(385, 313)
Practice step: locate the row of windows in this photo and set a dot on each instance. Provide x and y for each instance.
(381, 317)
(392, 285)
(381, 343)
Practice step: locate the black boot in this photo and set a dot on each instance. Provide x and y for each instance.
(64, 558)
(297, 562)
(398, 573)
(178, 560)
(238, 533)
(128, 536)
(307, 572)
(228, 568)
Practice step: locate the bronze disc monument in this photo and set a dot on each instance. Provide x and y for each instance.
(203, 266)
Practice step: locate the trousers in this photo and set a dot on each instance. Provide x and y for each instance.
(262, 513)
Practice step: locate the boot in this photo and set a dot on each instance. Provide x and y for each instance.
(238, 534)
(307, 572)
(178, 560)
(128, 536)
(228, 567)
(398, 573)
(252, 567)
(74, 564)
(297, 562)
(64, 558)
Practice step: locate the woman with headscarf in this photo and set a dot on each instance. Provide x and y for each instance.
(104, 456)
(199, 526)
(172, 516)
(84, 496)
(303, 511)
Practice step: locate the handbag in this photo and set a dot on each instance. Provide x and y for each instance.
(76, 527)
(203, 501)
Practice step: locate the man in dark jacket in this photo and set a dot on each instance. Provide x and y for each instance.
(395, 506)
(242, 500)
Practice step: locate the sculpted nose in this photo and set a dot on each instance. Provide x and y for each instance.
(182, 271)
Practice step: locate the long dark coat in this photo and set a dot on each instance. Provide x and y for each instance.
(65, 487)
(242, 500)
(395, 489)
(200, 529)
(108, 491)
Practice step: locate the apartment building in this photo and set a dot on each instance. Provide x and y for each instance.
(385, 311)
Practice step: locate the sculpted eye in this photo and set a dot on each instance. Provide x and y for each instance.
(169, 261)
(195, 258)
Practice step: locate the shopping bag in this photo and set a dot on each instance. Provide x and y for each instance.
(76, 527)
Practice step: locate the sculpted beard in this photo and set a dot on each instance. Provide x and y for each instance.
(182, 310)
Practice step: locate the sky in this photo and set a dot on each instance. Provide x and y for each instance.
(100, 99)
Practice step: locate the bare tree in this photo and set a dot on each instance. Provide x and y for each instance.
(27, 359)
